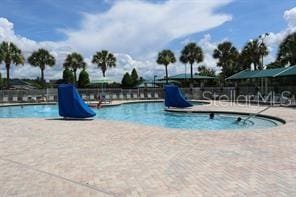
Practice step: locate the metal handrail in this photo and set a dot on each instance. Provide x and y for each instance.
(256, 114)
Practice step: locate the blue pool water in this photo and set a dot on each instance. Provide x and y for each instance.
(146, 114)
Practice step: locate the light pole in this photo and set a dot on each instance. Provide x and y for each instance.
(261, 50)
(261, 38)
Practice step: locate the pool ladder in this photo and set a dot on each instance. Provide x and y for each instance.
(256, 114)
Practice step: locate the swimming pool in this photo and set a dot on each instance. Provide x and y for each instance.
(151, 113)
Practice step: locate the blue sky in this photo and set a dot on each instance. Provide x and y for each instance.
(135, 30)
(41, 19)
(250, 18)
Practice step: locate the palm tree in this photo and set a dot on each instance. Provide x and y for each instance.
(10, 54)
(191, 54)
(287, 51)
(165, 57)
(252, 53)
(227, 56)
(74, 61)
(104, 59)
(244, 60)
(40, 59)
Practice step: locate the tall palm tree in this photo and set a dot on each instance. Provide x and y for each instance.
(104, 59)
(253, 53)
(287, 51)
(74, 61)
(227, 56)
(165, 57)
(191, 54)
(10, 54)
(40, 59)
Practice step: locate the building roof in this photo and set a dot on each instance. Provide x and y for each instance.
(290, 71)
(146, 85)
(163, 81)
(150, 83)
(17, 82)
(104, 80)
(268, 73)
(20, 84)
(188, 76)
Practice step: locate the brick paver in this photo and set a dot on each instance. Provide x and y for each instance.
(106, 158)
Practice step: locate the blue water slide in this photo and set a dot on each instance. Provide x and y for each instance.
(71, 104)
(175, 98)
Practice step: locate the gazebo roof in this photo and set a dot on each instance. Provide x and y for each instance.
(268, 73)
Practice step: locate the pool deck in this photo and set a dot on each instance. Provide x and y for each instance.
(50, 157)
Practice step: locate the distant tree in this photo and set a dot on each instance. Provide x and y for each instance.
(104, 59)
(287, 51)
(10, 54)
(74, 61)
(227, 56)
(141, 79)
(204, 71)
(40, 59)
(83, 80)
(191, 54)
(126, 81)
(134, 77)
(252, 53)
(68, 76)
(165, 57)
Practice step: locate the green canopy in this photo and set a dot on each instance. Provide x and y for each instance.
(188, 76)
(268, 73)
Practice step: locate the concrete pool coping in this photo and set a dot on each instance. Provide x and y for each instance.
(207, 111)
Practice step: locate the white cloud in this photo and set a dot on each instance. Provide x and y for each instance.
(129, 29)
(290, 16)
(135, 35)
(208, 47)
(274, 39)
(139, 27)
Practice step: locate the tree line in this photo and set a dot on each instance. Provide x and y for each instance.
(230, 60)
(11, 54)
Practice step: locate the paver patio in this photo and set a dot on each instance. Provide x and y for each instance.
(41, 157)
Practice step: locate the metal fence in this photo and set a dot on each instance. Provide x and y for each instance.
(50, 95)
